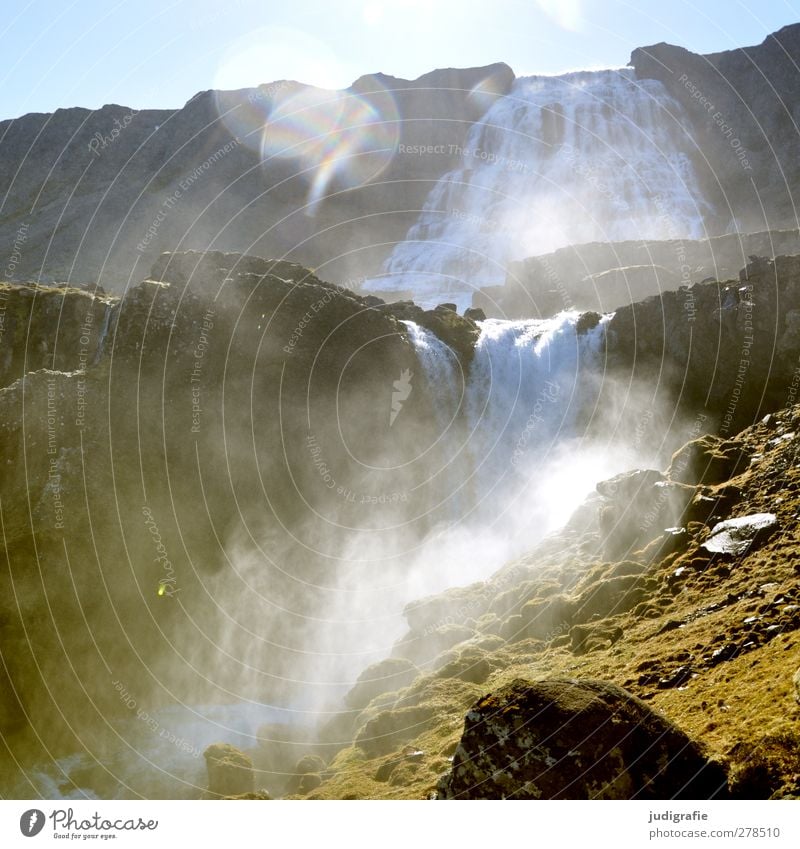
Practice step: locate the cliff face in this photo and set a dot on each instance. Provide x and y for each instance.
(97, 196)
(744, 109)
(730, 349)
(151, 441)
(113, 451)
(604, 276)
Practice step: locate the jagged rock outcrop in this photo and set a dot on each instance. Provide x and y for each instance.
(459, 332)
(744, 128)
(575, 739)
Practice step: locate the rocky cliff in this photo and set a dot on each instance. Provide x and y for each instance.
(148, 442)
(96, 196)
(743, 109)
(604, 276)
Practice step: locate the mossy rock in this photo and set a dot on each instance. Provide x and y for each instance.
(230, 771)
(386, 676)
(472, 665)
(547, 619)
(611, 597)
(426, 647)
(575, 739)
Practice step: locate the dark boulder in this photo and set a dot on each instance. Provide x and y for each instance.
(565, 739)
(388, 730)
(587, 321)
(307, 775)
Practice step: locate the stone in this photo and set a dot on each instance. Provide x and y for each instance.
(587, 321)
(546, 619)
(382, 734)
(474, 314)
(472, 665)
(230, 771)
(386, 676)
(586, 637)
(736, 536)
(636, 507)
(707, 460)
(575, 739)
(609, 598)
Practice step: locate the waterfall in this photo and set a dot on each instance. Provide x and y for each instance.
(108, 312)
(587, 156)
(525, 391)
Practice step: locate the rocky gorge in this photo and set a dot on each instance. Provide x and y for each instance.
(451, 458)
(634, 589)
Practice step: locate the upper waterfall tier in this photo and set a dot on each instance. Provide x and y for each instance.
(587, 156)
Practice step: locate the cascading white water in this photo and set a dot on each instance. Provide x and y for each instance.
(529, 382)
(442, 370)
(587, 156)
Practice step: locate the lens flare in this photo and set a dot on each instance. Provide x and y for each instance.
(339, 139)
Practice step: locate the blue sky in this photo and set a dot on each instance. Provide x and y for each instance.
(158, 53)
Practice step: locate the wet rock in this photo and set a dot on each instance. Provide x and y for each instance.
(386, 676)
(230, 771)
(736, 536)
(459, 332)
(566, 739)
(475, 314)
(586, 322)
